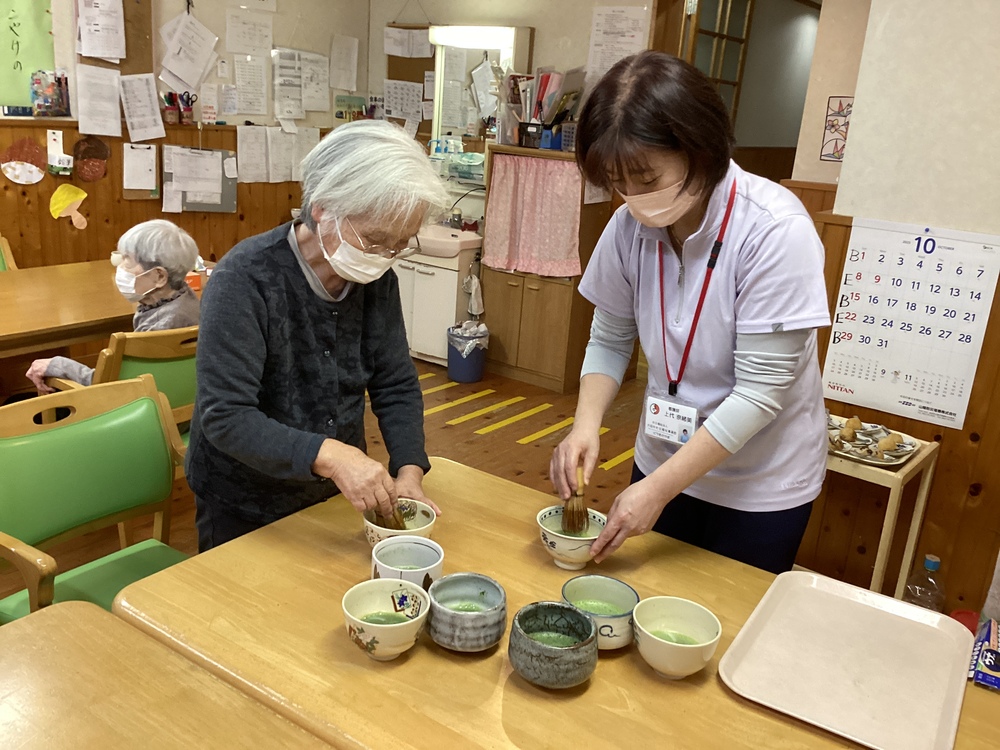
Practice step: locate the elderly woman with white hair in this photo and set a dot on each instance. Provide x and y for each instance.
(298, 323)
(152, 260)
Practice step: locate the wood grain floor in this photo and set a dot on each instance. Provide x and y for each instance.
(501, 426)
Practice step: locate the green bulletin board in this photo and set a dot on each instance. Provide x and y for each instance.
(26, 45)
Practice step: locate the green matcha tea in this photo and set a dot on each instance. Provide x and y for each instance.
(598, 607)
(465, 606)
(406, 567)
(384, 618)
(554, 523)
(672, 636)
(550, 638)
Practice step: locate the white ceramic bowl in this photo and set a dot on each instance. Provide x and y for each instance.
(385, 595)
(569, 552)
(296, 212)
(408, 558)
(420, 526)
(672, 615)
(609, 602)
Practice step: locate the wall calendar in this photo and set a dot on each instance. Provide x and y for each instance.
(909, 320)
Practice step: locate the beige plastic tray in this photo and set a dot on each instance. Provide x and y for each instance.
(873, 669)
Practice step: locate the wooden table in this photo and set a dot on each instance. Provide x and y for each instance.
(263, 612)
(51, 306)
(73, 675)
(895, 479)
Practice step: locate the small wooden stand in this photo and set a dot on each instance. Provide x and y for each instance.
(895, 480)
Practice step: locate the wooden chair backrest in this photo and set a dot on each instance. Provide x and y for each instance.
(82, 478)
(6, 256)
(169, 356)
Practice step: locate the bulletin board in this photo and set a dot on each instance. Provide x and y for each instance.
(138, 41)
(228, 203)
(411, 69)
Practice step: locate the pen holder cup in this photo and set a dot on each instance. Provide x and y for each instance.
(530, 134)
(187, 116)
(171, 115)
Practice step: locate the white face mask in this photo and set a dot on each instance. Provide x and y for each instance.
(662, 207)
(125, 282)
(351, 264)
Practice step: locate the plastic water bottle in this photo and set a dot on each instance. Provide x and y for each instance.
(922, 587)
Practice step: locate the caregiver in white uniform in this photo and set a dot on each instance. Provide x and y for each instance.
(720, 275)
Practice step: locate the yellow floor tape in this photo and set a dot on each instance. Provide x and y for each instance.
(458, 402)
(515, 418)
(619, 459)
(437, 388)
(487, 410)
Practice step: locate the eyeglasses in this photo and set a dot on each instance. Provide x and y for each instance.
(386, 252)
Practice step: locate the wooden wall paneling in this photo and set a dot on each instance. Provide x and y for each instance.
(774, 163)
(815, 196)
(37, 239)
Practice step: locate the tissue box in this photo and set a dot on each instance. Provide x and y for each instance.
(985, 666)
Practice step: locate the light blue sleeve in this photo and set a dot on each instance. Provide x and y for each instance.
(609, 350)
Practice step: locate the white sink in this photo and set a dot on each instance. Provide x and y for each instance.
(444, 242)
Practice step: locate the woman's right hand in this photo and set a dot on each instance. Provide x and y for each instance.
(364, 481)
(580, 446)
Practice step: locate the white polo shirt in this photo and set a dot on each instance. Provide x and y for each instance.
(769, 277)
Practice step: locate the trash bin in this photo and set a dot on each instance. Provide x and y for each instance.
(467, 352)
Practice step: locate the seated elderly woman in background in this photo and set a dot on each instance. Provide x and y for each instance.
(152, 258)
(299, 323)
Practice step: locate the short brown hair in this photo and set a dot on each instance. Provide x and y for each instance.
(656, 100)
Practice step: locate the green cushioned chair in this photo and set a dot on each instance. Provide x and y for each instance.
(6, 256)
(112, 459)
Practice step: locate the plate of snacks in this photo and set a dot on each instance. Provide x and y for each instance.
(868, 443)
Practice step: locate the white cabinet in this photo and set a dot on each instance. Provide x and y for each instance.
(430, 291)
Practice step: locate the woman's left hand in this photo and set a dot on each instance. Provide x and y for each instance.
(633, 513)
(410, 483)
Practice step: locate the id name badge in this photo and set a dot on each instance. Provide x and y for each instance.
(669, 419)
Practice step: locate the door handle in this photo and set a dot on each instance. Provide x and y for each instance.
(513, 283)
(406, 267)
(425, 273)
(534, 288)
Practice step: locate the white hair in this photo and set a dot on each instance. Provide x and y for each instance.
(369, 168)
(160, 243)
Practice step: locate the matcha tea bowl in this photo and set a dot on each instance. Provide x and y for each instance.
(409, 558)
(570, 551)
(468, 612)
(676, 637)
(609, 602)
(385, 616)
(553, 645)
(418, 518)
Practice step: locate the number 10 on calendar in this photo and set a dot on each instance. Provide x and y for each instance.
(909, 319)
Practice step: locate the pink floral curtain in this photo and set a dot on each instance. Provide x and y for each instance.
(533, 217)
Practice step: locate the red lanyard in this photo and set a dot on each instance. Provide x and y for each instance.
(712, 259)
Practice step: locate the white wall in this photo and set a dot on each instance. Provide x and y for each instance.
(776, 73)
(922, 145)
(839, 40)
(562, 27)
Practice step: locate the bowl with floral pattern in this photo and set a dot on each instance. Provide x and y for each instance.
(569, 551)
(384, 616)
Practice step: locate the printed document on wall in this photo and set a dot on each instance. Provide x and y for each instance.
(138, 167)
(198, 171)
(280, 151)
(286, 64)
(142, 107)
(305, 140)
(251, 153)
(315, 82)
(403, 98)
(251, 86)
(249, 33)
(616, 32)
(189, 53)
(97, 96)
(101, 29)
(344, 63)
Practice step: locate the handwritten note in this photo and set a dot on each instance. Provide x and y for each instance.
(249, 33)
(142, 107)
(208, 98)
(230, 100)
(25, 46)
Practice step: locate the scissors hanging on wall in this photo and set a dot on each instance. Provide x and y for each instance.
(188, 99)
